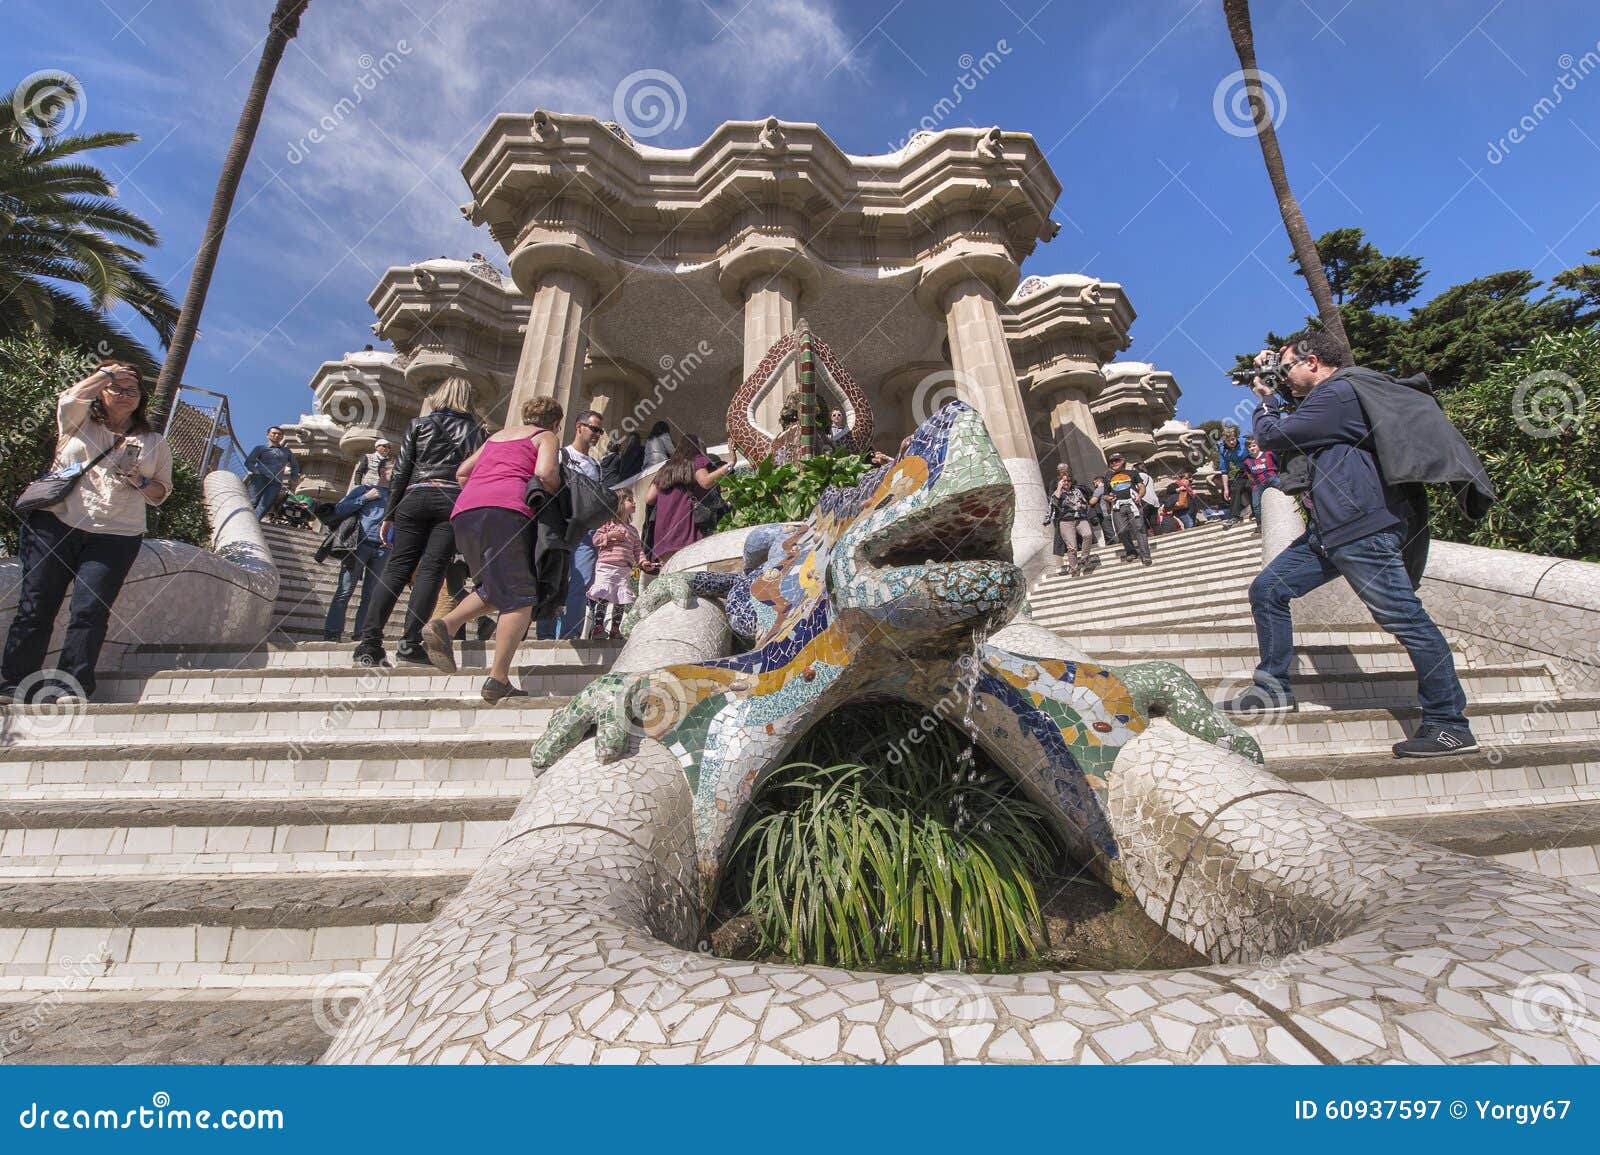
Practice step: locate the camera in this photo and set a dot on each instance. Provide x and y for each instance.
(1270, 371)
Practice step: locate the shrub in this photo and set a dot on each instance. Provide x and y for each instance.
(1534, 420)
(771, 492)
(34, 369)
(931, 862)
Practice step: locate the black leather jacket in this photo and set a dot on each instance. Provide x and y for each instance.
(431, 450)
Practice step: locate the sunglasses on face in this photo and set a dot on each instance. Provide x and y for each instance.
(121, 390)
(598, 429)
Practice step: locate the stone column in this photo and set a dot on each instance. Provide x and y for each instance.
(771, 307)
(966, 286)
(566, 282)
(551, 363)
(1076, 434)
(768, 277)
(612, 389)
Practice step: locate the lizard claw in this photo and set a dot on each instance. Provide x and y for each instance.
(1168, 688)
(672, 587)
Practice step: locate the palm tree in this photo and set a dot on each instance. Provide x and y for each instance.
(60, 226)
(284, 26)
(1305, 249)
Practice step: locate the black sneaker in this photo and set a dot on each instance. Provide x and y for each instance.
(1434, 741)
(7, 697)
(1257, 701)
(369, 654)
(495, 690)
(1147, 561)
(412, 652)
(54, 695)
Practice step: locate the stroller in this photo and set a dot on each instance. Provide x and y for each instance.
(295, 510)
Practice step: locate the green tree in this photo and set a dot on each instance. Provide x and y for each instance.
(1584, 281)
(1534, 420)
(1467, 330)
(61, 228)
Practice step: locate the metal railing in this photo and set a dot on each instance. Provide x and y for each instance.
(200, 432)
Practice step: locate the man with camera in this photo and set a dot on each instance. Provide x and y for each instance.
(1358, 528)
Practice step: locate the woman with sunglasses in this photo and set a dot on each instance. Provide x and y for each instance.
(87, 541)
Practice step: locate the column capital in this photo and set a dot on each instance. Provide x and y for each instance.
(966, 260)
(763, 254)
(1062, 380)
(542, 253)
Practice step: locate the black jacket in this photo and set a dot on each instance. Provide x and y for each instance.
(431, 450)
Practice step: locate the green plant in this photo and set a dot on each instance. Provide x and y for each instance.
(60, 225)
(925, 857)
(34, 369)
(1534, 420)
(772, 492)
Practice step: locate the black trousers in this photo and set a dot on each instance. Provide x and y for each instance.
(1238, 495)
(54, 557)
(423, 545)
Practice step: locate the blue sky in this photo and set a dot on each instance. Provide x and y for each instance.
(1390, 113)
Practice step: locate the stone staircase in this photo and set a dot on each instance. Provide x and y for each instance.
(1529, 797)
(305, 587)
(210, 861)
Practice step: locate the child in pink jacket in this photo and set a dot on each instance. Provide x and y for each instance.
(620, 553)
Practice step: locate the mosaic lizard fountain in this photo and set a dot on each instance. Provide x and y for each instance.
(1331, 941)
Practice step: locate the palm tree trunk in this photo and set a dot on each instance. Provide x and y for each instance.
(1305, 249)
(285, 25)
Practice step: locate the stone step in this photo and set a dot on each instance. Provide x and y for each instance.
(472, 655)
(1546, 768)
(1521, 682)
(1335, 733)
(1129, 582)
(1224, 611)
(194, 932)
(183, 1027)
(197, 767)
(1160, 642)
(335, 682)
(290, 722)
(1561, 840)
(1233, 662)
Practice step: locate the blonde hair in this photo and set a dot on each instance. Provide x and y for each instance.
(454, 393)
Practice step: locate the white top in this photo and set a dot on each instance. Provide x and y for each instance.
(104, 502)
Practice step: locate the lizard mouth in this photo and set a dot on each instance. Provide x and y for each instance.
(977, 528)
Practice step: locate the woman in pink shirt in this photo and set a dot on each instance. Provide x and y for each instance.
(494, 531)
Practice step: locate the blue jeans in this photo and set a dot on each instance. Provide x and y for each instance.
(569, 622)
(264, 494)
(55, 558)
(1186, 520)
(1255, 497)
(1373, 568)
(366, 564)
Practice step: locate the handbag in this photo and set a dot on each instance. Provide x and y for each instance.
(55, 486)
(709, 510)
(584, 503)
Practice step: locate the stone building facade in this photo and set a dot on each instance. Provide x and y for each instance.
(647, 283)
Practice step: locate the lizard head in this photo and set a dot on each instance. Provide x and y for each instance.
(925, 551)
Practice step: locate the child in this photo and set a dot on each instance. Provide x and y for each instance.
(620, 550)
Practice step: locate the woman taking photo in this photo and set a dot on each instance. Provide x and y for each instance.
(677, 487)
(422, 491)
(89, 539)
(494, 529)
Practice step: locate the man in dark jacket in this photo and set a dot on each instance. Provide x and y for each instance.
(1357, 530)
